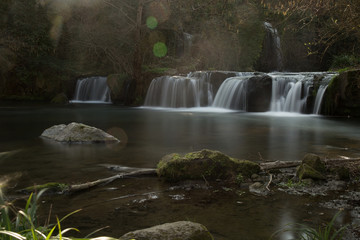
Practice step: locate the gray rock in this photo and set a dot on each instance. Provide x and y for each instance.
(184, 230)
(258, 189)
(78, 132)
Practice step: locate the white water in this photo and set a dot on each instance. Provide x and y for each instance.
(319, 98)
(92, 90)
(232, 94)
(290, 92)
(179, 92)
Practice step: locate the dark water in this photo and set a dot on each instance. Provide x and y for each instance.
(147, 135)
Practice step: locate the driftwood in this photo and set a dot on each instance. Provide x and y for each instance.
(289, 164)
(87, 185)
(62, 188)
(279, 164)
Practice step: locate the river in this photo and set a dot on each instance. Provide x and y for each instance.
(148, 134)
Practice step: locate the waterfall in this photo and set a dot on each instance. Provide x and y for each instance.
(271, 56)
(232, 94)
(188, 41)
(319, 98)
(179, 92)
(255, 92)
(290, 92)
(92, 90)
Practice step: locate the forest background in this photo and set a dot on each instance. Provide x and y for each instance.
(45, 45)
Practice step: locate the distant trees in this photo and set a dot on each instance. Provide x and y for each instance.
(55, 40)
(335, 22)
(24, 43)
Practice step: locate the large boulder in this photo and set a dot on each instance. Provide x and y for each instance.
(77, 132)
(259, 93)
(184, 230)
(342, 97)
(207, 164)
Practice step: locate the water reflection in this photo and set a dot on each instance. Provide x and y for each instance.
(146, 136)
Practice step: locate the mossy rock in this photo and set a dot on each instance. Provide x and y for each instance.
(60, 98)
(305, 171)
(315, 162)
(204, 164)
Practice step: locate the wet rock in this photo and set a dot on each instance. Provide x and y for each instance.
(259, 189)
(342, 96)
(259, 93)
(315, 162)
(117, 84)
(311, 167)
(207, 164)
(184, 230)
(343, 173)
(77, 132)
(305, 171)
(336, 185)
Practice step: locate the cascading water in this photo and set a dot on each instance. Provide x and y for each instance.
(277, 92)
(290, 92)
(179, 92)
(319, 98)
(232, 93)
(271, 56)
(92, 90)
(321, 91)
(188, 41)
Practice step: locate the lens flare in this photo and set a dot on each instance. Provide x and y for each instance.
(151, 22)
(120, 134)
(160, 49)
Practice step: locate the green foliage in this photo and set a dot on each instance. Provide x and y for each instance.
(326, 232)
(292, 184)
(344, 61)
(239, 179)
(22, 224)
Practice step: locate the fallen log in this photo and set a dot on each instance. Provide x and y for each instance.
(279, 164)
(87, 185)
(289, 164)
(69, 189)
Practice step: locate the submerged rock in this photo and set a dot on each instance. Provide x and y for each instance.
(78, 132)
(60, 98)
(207, 164)
(184, 230)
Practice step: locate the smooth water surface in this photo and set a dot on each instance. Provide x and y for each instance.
(146, 135)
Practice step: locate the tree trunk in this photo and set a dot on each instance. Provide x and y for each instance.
(137, 63)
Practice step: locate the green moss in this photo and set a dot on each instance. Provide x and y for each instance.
(51, 186)
(305, 171)
(315, 162)
(205, 163)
